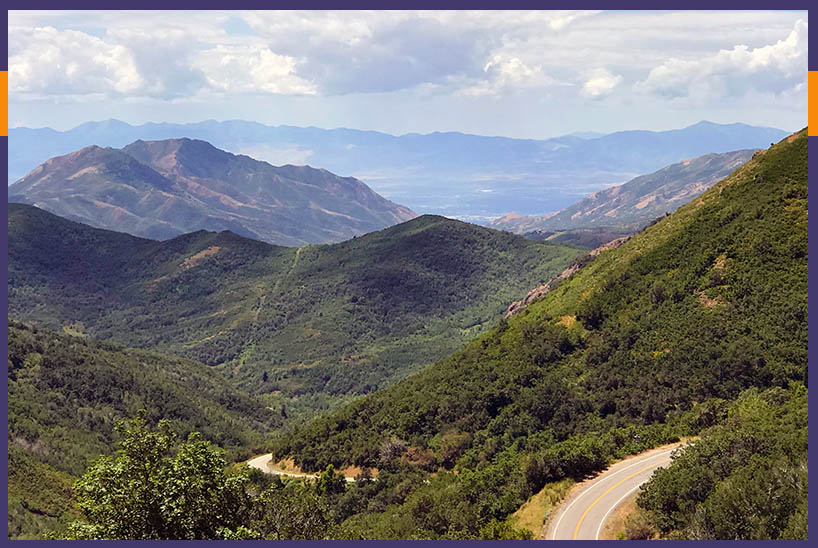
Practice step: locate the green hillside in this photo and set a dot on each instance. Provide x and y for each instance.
(702, 305)
(65, 393)
(745, 479)
(306, 327)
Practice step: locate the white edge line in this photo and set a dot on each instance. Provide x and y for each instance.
(612, 475)
(612, 508)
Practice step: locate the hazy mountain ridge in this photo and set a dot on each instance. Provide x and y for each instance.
(161, 189)
(634, 204)
(450, 173)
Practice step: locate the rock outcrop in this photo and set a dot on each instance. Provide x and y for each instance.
(541, 291)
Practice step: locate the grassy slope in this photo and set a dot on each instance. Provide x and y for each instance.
(65, 393)
(304, 326)
(706, 302)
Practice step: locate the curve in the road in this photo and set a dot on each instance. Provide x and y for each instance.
(583, 515)
(265, 464)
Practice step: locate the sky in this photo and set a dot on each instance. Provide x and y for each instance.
(525, 74)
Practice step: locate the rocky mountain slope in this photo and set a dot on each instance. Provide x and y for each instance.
(161, 189)
(633, 205)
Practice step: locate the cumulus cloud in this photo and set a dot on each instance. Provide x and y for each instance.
(600, 83)
(361, 52)
(164, 56)
(44, 60)
(507, 73)
(467, 52)
(333, 54)
(775, 68)
(252, 68)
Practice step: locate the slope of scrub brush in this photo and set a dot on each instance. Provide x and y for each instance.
(305, 324)
(746, 478)
(703, 304)
(65, 393)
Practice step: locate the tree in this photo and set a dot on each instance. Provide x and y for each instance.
(149, 491)
(292, 511)
(330, 482)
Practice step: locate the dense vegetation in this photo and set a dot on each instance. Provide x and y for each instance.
(306, 327)
(700, 306)
(745, 479)
(581, 237)
(698, 324)
(156, 488)
(65, 394)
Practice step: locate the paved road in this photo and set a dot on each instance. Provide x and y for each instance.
(265, 464)
(583, 514)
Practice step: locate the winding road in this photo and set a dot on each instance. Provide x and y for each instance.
(265, 464)
(584, 513)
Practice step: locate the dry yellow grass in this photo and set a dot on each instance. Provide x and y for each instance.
(615, 526)
(533, 514)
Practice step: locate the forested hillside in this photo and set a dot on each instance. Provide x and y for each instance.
(65, 393)
(307, 327)
(706, 303)
(746, 478)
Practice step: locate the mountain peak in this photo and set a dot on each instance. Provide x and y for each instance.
(160, 189)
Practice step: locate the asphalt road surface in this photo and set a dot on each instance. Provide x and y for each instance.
(264, 463)
(583, 514)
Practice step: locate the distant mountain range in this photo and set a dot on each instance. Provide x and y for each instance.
(631, 206)
(459, 175)
(161, 189)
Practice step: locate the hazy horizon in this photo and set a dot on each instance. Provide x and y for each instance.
(577, 132)
(519, 74)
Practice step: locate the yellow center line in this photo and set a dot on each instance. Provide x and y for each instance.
(611, 488)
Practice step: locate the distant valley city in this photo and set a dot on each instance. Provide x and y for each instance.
(407, 275)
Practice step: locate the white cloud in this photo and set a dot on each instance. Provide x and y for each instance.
(775, 68)
(525, 69)
(251, 68)
(469, 52)
(601, 82)
(44, 60)
(504, 74)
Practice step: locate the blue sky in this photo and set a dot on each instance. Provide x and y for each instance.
(519, 74)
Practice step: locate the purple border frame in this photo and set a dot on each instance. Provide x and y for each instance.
(395, 4)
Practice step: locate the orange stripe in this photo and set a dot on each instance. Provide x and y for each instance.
(4, 121)
(812, 117)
